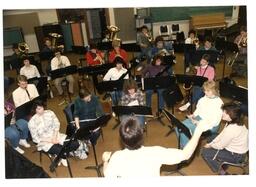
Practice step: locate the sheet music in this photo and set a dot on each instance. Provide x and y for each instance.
(142, 83)
(133, 103)
(85, 120)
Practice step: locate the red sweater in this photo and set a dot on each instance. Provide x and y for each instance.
(91, 56)
(123, 54)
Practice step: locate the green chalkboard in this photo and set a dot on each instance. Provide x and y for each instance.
(12, 35)
(184, 13)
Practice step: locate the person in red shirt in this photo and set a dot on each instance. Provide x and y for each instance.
(94, 56)
(117, 51)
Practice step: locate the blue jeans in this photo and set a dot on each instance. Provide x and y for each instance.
(15, 133)
(149, 94)
(191, 126)
(116, 96)
(197, 93)
(223, 155)
(147, 53)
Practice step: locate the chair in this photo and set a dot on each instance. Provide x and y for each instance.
(164, 32)
(174, 31)
(242, 165)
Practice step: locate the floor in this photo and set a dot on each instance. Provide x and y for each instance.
(155, 132)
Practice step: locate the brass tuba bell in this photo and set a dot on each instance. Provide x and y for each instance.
(113, 30)
(23, 47)
(54, 37)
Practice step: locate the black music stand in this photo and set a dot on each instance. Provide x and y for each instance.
(181, 129)
(236, 93)
(94, 71)
(63, 72)
(41, 85)
(197, 56)
(132, 110)
(7, 120)
(24, 111)
(192, 80)
(169, 60)
(159, 82)
(84, 133)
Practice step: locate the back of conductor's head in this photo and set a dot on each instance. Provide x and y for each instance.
(131, 133)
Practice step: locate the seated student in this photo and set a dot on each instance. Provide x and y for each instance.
(159, 47)
(208, 45)
(114, 74)
(208, 112)
(87, 106)
(231, 144)
(94, 56)
(25, 92)
(17, 132)
(192, 39)
(44, 127)
(29, 70)
(47, 46)
(58, 62)
(204, 70)
(118, 52)
(151, 71)
(132, 96)
(136, 160)
(144, 40)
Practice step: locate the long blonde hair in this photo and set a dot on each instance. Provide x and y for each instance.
(211, 85)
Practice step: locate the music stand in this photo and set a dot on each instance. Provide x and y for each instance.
(94, 71)
(169, 60)
(159, 82)
(7, 120)
(23, 111)
(84, 133)
(63, 72)
(197, 56)
(236, 93)
(181, 129)
(41, 85)
(132, 110)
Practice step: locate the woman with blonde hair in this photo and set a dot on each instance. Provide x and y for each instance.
(208, 112)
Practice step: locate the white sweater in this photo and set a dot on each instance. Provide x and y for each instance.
(209, 109)
(233, 138)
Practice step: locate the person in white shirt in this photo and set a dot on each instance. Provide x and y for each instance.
(136, 160)
(208, 112)
(114, 74)
(231, 145)
(60, 61)
(25, 92)
(29, 70)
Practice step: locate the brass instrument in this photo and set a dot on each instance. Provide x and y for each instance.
(113, 30)
(149, 36)
(23, 47)
(55, 37)
(241, 44)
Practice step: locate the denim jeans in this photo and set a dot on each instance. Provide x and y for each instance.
(191, 126)
(116, 96)
(223, 155)
(14, 133)
(147, 53)
(149, 94)
(197, 93)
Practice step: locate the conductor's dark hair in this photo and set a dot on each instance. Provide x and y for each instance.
(129, 84)
(206, 57)
(84, 92)
(131, 133)
(234, 111)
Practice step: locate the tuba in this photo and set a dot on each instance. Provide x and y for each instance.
(23, 48)
(113, 30)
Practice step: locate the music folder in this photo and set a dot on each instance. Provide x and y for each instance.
(176, 122)
(135, 110)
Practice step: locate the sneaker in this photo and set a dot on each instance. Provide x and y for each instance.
(64, 162)
(184, 107)
(24, 143)
(19, 150)
(187, 69)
